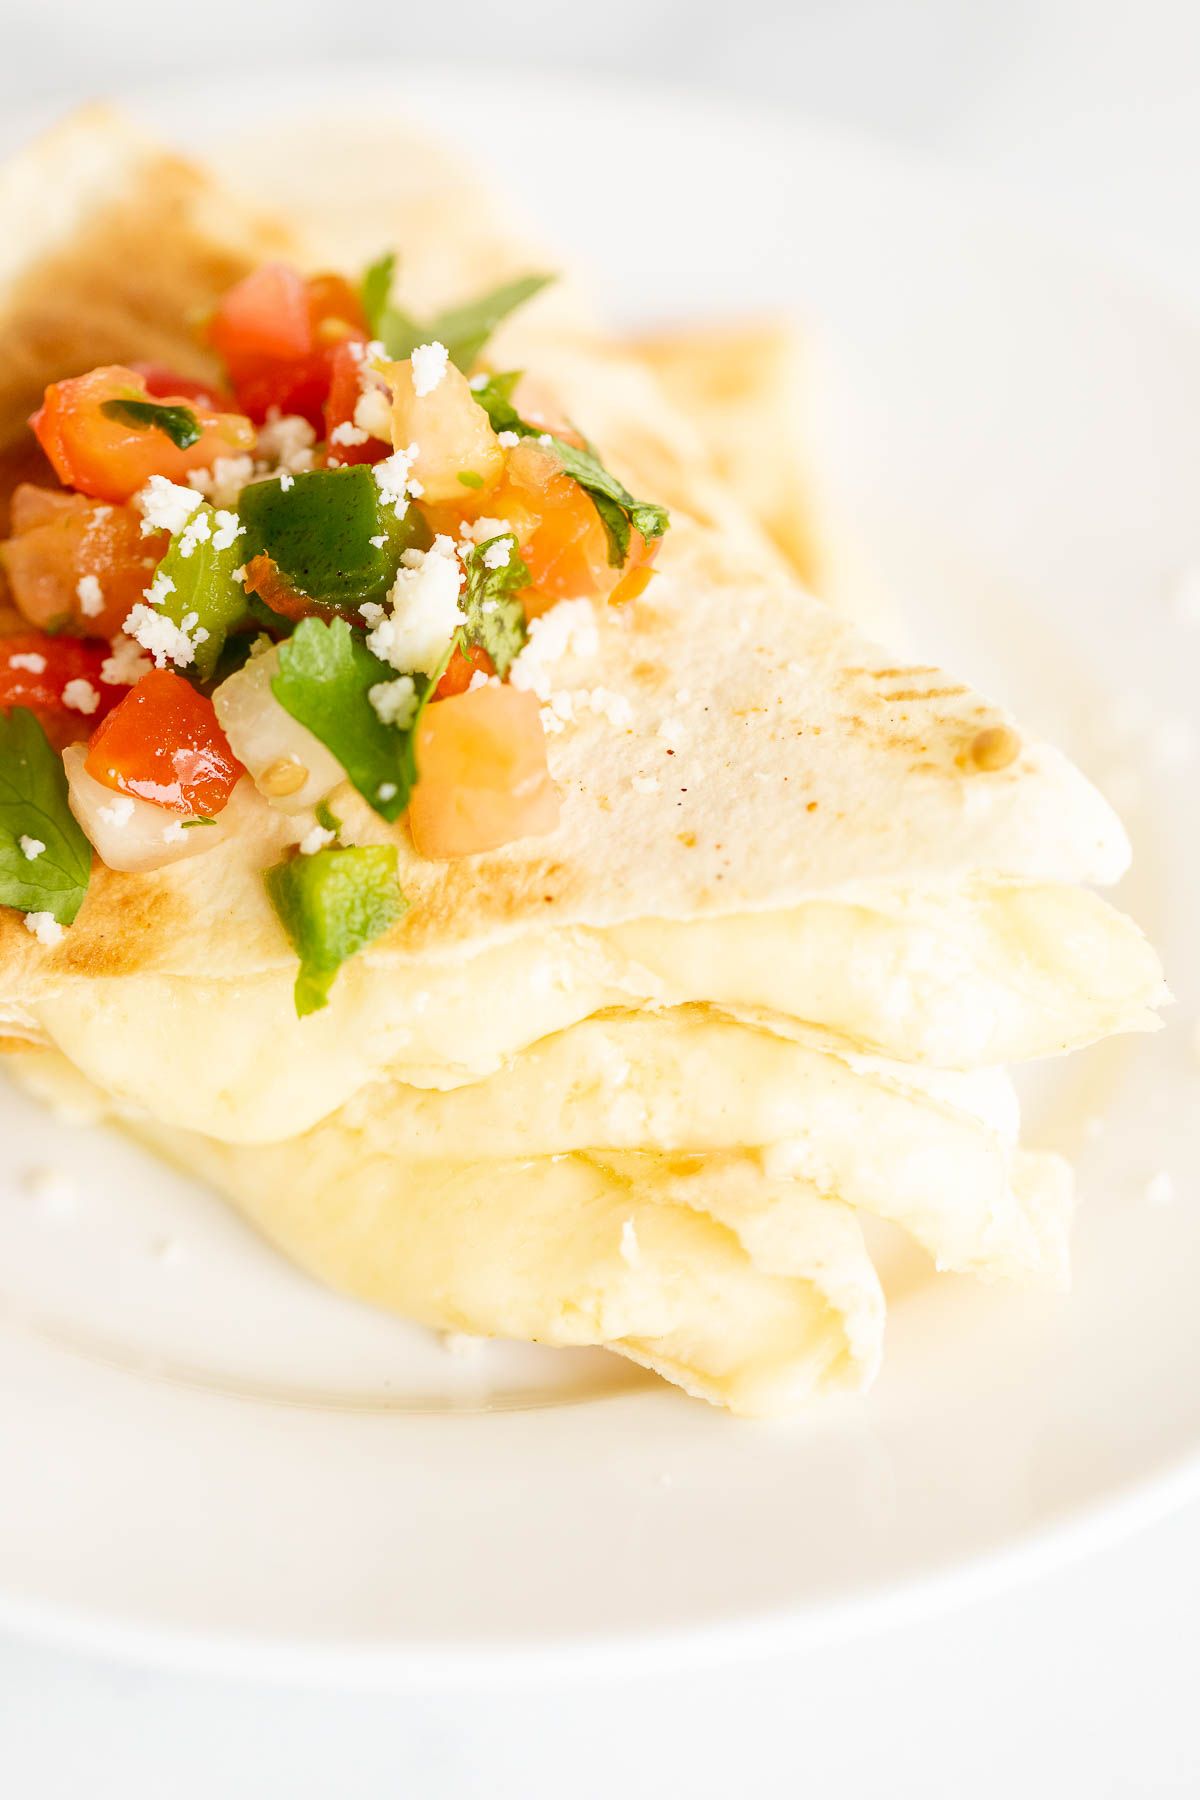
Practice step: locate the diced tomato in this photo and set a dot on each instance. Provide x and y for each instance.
(265, 315)
(75, 562)
(277, 333)
(344, 393)
(111, 460)
(163, 743)
(462, 666)
(163, 383)
(482, 774)
(637, 573)
(558, 530)
(41, 688)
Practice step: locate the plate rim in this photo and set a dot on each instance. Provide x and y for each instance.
(1119, 1512)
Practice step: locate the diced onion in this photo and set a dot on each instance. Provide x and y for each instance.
(136, 835)
(290, 767)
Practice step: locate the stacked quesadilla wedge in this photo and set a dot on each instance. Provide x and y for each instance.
(633, 1080)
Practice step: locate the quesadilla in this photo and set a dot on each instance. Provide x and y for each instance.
(532, 908)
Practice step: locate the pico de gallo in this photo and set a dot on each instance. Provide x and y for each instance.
(320, 567)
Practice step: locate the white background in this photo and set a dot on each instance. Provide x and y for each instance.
(1083, 1683)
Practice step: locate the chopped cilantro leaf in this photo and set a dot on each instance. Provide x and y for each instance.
(179, 423)
(200, 819)
(327, 819)
(620, 514)
(470, 479)
(495, 396)
(495, 617)
(332, 905)
(374, 289)
(33, 804)
(325, 673)
(464, 330)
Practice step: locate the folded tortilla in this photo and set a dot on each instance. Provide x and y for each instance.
(792, 902)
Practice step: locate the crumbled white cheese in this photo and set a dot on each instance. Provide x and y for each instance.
(631, 1250)
(159, 588)
(80, 696)
(174, 833)
(373, 415)
(197, 531)
(567, 629)
(125, 665)
(90, 595)
(223, 483)
(424, 614)
(117, 812)
(479, 679)
(499, 554)
(316, 839)
(31, 847)
(44, 926)
(387, 790)
(286, 441)
(477, 383)
(347, 433)
(508, 439)
(478, 531)
(429, 363)
(287, 481)
(29, 660)
(395, 702)
(645, 784)
(166, 641)
(238, 574)
(165, 506)
(378, 541)
(228, 528)
(393, 481)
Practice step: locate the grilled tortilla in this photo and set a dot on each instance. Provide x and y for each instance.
(797, 888)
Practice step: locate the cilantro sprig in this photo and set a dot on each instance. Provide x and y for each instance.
(495, 617)
(179, 423)
(620, 514)
(332, 905)
(325, 674)
(463, 329)
(33, 805)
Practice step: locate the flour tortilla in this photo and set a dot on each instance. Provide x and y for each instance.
(764, 817)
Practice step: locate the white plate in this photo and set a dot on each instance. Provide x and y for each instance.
(208, 1459)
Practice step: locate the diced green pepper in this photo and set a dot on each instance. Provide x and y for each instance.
(202, 583)
(332, 905)
(320, 530)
